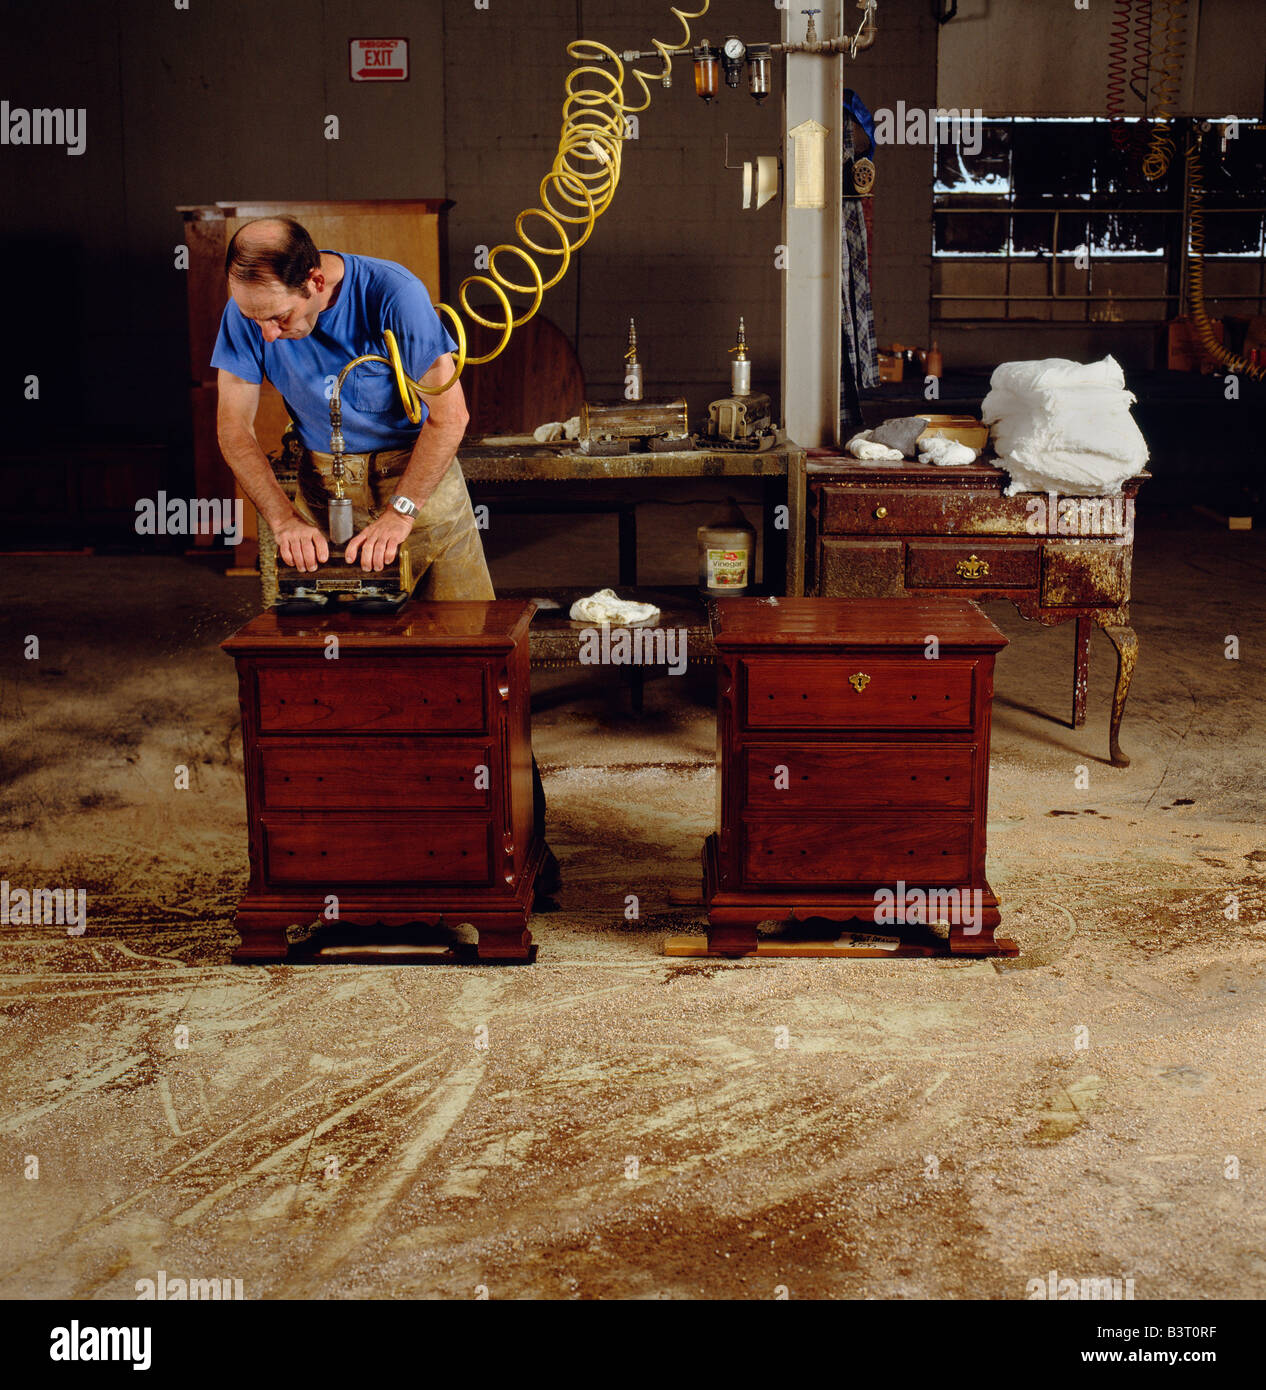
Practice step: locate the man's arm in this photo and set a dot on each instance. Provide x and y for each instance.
(300, 545)
(433, 453)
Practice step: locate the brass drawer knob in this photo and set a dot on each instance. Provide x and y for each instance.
(972, 568)
(859, 682)
(881, 512)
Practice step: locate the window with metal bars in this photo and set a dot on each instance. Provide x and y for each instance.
(1055, 211)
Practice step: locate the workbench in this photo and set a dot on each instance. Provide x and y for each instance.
(883, 530)
(516, 474)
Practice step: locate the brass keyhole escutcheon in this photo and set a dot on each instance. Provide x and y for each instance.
(859, 682)
(972, 568)
(881, 512)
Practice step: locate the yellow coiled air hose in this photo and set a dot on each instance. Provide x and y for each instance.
(577, 190)
(1160, 151)
(1195, 270)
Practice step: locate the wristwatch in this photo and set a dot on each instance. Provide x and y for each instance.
(402, 505)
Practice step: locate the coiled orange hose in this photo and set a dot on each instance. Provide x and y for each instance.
(1160, 151)
(1118, 60)
(1200, 319)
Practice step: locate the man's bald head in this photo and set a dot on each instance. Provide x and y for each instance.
(272, 249)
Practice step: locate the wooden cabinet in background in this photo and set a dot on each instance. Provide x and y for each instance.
(879, 530)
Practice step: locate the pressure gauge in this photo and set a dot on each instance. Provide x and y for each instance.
(732, 60)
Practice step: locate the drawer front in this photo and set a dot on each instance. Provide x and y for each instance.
(403, 849)
(878, 849)
(349, 695)
(958, 566)
(1086, 572)
(895, 693)
(782, 776)
(860, 569)
(376, 774)
(921, 511)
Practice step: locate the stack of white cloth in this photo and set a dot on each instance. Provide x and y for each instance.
(1061, 426)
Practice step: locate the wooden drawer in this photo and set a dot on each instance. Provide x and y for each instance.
(349, 695)
(375, 774)
(860, 569)
(919, 511)
(823, 776)
(1085, 572)
(937, 565)
(816, 693)
(847, 849)
(335, 850)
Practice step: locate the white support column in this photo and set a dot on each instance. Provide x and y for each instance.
(813, 90)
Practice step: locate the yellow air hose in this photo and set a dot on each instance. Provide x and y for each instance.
(1201, 322)
(1160, 151)
(577, 190)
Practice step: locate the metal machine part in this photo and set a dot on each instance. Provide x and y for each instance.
(705, 57)
(337, 582)
(742, 422)
(758, 65)
(741, 367)
(745, 419)
(625, 427)
(732, 54)
(632, 367)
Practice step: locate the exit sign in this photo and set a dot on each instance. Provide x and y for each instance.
(378, 60)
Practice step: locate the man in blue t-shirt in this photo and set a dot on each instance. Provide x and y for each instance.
(296, 316)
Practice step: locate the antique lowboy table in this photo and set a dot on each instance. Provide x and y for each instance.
(879, 530)
(388, 767)
(853, 761)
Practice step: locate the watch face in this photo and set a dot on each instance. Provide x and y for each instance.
(734, 48)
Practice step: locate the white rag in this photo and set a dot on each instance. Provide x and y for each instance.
(936, 448)
(605, 607)
(862, 446)
(1061, 426)
(552, 433)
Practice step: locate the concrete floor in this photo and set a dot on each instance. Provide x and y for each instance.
(632, 1130)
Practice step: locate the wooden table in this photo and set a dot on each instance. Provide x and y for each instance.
(850, 766)
(521, 475)
(884, 530)
(389, 772)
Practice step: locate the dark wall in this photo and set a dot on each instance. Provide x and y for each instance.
(222, 101)
(227, 101)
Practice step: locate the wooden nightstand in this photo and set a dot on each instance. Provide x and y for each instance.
(388, 765)
(850, 762)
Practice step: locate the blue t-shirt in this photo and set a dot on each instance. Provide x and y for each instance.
(374, 295)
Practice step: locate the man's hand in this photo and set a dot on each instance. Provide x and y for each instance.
(379, 541)
(301, 545)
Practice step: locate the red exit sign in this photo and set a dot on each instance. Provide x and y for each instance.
(378, 60)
